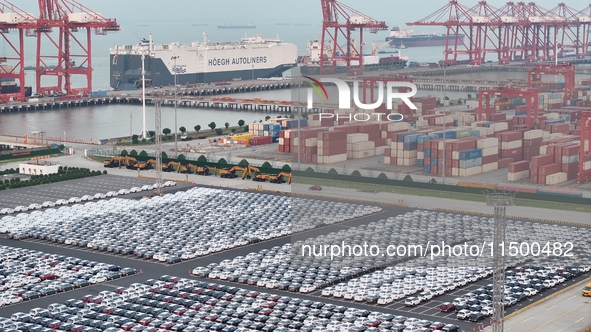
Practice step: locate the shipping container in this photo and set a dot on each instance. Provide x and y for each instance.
(470, 154)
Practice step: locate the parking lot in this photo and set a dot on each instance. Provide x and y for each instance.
(72, 188)
(321, 226)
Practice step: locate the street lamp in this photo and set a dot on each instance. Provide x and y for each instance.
(175, 70)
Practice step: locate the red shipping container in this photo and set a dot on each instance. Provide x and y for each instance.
(434, 169)
(455, 163)
(281, 133)
(427, 161)
(541, 160)
(368, 128)
(519, 166)
(545, 170)
(533, 178)
(571, 150)
(511, 153)
(331, 151)
(462, 145)
(420, 147)
(510, 136)
(490, 159)
(505, 162)
(569, 168)
(379, 142)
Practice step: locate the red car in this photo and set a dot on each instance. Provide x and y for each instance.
(270, 305)
(127, 326)
(373, 323)
(88, 299)
(146, 321)
(195, 306)
(252, 295)
(227, 297)
(211, 318)
(168, 299)
(166, 326)
(119, 290)
(265, 312)
(211, 302)
(436, 326)
(317, 188)
(197, 291)
(180, 311)
(183, 295)
(447, 307)
(273, 298)
(108, 311)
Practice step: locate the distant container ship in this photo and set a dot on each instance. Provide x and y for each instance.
(310, 65)
(406, 38)
(200, 62)
(243, 26)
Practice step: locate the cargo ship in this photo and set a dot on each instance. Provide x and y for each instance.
(401, 36)
(243, 26)
(199, 62)
(310, 65)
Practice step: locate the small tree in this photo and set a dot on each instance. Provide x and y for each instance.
(219, 131)
(164, 155)
(407, 178)
(266, 164)
(433, 181)
(356, 173)
(183, 130)
(222, 162)
(227, 125)
(133, 153)
(124, 153)
(197, 128)
(243, 163)
(166, 131)
(233, 130)
(202, 159)
(267, 118)
(286, 168)
(143, 153)
(182, 157)
(469, 96)
(240, 123)
(151, 133)
(310, 169)
(212, 125)
(332, 171)
(245, 129)
(382, 176)
(291, 116)
(135, 139)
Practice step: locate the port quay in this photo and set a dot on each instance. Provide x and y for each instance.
(204, 96)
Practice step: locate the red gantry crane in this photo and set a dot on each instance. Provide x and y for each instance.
(584, 152)
(515, 32)
(331, 51)
(71, 55)
(566, 70)
(12, 61)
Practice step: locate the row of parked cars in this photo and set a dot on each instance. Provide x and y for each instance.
(28, 274)
(188, 224)
(521, 283)
(85, 198)
(179, 304)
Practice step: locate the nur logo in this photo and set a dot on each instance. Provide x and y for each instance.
(345, 93)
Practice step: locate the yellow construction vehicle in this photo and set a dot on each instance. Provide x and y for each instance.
(170, 167)
(114, 162)
(255, 174)
(129, 162)
(144, 165)
(280, 178)
(231, 173)
(205, 170)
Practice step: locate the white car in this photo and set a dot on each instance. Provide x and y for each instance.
(20, 209)
(147, 187)
(135, 190)
(328, 291)
(10, 299)
(97, 279)
(307, 288)
(86, 198)
(111, 194)
(6, 211)
(412, 301)
(386, 300)
(99, 196)
(74, 200)
(34, 206)
(48, 204)
(487, 311)
(123, 192)
(169, 183)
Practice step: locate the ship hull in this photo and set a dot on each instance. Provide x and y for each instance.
(126, 73)
(315, 69)
(421, 41)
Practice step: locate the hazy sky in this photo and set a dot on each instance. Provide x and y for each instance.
(394, 12)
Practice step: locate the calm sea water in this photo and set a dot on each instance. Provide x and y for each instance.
(102, 122)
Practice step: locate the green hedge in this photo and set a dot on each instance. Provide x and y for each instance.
(63, 174)
(26, 154)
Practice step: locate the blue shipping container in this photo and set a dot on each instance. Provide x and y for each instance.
(420, 163)
(470, 154)
(427, 169)
(427, 152)
(471, 163)
(409, 146)
(266, 127)
(520, 113)
(434, 161)
(559, 194)
(423, 138)
(475, 133)
(411, 138)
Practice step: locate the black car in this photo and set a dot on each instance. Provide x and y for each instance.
(476, 317)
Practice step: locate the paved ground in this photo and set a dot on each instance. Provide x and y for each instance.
(567, 312)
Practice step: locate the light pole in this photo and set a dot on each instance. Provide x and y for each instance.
(130, 126)
(444, 65)
(144, 133)
(175, 70)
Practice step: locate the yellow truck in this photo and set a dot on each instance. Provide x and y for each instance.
(587, 290)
